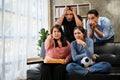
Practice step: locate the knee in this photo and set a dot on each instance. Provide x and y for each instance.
(107, 66)
(69, 67)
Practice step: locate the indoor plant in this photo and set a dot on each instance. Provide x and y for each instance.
(43, 35)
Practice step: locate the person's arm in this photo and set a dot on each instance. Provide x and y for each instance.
(79, 41)
(92, 32)
(49, 43)
(60, 20)
(89, 47)
(98, 32)
(75, 55)
(77, 20)
(107, 29)
(94, 29)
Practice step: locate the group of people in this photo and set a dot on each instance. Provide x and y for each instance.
(73, 43)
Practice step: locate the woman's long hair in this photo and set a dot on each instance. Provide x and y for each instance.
(62, 39)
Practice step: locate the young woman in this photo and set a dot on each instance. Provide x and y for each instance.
(83, 47)
(56, 48)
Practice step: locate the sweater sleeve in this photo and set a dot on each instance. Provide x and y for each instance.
(74, 53)
(49, 43)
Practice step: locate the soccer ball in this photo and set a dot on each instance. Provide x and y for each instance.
(86, 62)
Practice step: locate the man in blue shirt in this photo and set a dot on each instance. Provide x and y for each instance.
(99, 28)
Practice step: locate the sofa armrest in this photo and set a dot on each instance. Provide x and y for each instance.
(34, 60)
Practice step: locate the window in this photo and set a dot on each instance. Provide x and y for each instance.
(20, 22)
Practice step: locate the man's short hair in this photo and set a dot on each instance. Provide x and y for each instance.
(93, 11)
(69, 7)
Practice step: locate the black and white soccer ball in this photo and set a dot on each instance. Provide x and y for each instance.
(86, 62)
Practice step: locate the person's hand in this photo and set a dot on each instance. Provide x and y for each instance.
(49, 36)
(93, 25)
(79, 41)
(94, 57)
(74, 10)
(65, 10)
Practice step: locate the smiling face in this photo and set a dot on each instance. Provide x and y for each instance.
(56, 34)
(78, 34)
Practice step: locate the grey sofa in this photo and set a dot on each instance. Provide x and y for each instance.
(108, 52)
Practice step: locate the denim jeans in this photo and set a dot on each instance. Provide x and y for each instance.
(101, 67)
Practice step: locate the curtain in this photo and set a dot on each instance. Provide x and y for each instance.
(20, 22)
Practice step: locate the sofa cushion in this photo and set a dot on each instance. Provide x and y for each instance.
(113, 75)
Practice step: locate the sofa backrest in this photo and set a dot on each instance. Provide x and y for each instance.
(109, 52)
(104, 48)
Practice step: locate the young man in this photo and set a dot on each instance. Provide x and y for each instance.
(99, 28)
(69, 20)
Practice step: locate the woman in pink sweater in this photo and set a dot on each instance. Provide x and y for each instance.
(57, 48)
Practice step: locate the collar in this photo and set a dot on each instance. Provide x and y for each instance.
(99, 21)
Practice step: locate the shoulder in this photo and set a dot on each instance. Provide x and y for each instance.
(104, 19)
(89, 40)
(73, 43)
